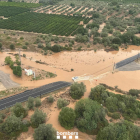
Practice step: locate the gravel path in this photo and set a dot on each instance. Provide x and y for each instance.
(6, 81)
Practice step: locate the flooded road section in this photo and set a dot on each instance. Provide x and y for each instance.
(83, 63)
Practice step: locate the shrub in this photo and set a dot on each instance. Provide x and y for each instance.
(115, 46)
(116, 40)
(77, 90)
(30, 103)
(12, 46)
(11, 125)
(19, 110)
(37, 102)
(8, 60)
(90, 116)
(50, 99)
(0, 45)
(24, 47)
(38, 118)
(134, 92)
(116, 115)
(45, 132)
(2, 115)
(21, 38)
(56, 48)
(26, 43)
(24, 55)
(67, 118)
(17, 71)
(121, 130)
(104, 34)
(40, 45)
(62, 103)
(95, 93)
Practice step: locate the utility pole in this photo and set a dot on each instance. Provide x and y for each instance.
(20, 61)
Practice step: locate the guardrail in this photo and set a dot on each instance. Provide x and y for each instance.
(127, 61)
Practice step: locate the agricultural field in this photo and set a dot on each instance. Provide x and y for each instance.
(20, 4)
(43, 23)
(65, 10)
(8, 11)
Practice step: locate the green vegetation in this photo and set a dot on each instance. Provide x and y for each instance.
(128, 106)
(62, 103)
(8, 11)
(45, 132)
(17, 70)
(30, 103)
(67, 117)
(134, 92)
(19, 110)
(38, 118)
(12, 46)
(90, 116)
(50, 99)
(37, 102)
(42, 23)
(20, 4)
(77, 90)
(12, 127)
(120, 131)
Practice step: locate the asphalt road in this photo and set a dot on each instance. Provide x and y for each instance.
(21, 97)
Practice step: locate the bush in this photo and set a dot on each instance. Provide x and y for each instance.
(95, 93)
(12, 47)
(121, 130)
(62, 103)
(2, 115)
(67, 117)
(134, 92)
(8, 60)
(81, 38)
(19, 110)
(116, 40)
(104, 34)
(115, 46)
(40, 45)
(11, 125)
(0, 45)
(116, 115)
(56, 48)
(37, 102)
(21, 38)
(17, 71)
(30, 103)
(50, 99)
(44, 132)
(90, 116)
(24, 55)
(24, 47)
(77, 90)
(38, 118)
(26, 43)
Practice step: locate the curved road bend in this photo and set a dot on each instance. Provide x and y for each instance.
(21, 97)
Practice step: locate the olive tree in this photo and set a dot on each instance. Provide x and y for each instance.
(77, 90)
(67, 117)
(11, 125)
(38, 118)
(19, 110)
(45, 132)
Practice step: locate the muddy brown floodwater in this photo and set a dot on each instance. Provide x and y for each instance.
(83, 62)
